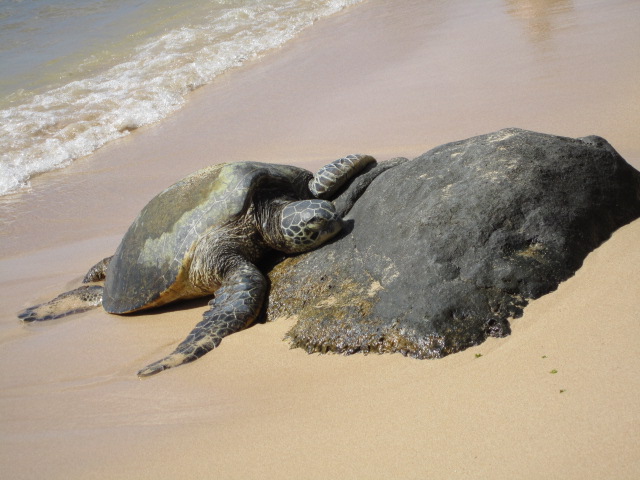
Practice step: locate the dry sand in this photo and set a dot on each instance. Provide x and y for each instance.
(385, 78)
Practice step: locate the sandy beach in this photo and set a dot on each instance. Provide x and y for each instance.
(384, 78)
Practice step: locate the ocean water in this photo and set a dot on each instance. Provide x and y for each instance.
(76, 74)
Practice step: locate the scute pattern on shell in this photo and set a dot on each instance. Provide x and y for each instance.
(157, 247)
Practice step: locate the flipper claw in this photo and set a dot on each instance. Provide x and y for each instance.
(152, 369)
(28, 315)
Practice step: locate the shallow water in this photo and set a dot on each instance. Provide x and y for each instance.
(78, 73)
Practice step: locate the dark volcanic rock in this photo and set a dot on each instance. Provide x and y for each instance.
(442, 250)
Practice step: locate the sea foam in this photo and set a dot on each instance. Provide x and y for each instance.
(53, 128)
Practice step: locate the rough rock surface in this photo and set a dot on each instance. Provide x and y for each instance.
(442, 250)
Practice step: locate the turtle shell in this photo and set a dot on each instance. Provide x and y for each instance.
(145, 269)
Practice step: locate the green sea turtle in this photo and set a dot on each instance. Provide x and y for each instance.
(203, 236)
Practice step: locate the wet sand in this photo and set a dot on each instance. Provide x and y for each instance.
(388, 79)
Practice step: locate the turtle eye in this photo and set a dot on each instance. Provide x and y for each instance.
(316, 223)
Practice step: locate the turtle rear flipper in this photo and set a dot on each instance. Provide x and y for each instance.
(98, 272)
(79, 300)
(236, 305)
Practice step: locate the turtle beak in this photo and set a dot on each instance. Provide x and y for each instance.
(332, 228)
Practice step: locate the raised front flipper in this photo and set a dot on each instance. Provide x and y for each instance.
(79, 300)
(350, 195)
(236, 305)
(331, 177)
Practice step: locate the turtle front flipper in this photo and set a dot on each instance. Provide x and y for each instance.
(236, 305)
(75, 301)
(350, 195)
(331, 177)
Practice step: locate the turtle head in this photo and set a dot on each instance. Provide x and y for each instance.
(307, 224)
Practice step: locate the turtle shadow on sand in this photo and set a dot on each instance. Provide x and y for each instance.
(425, 257)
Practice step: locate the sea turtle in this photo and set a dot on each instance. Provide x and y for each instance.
(203, 236)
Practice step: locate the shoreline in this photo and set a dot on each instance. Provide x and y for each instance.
(386, 80)
(356, 83)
